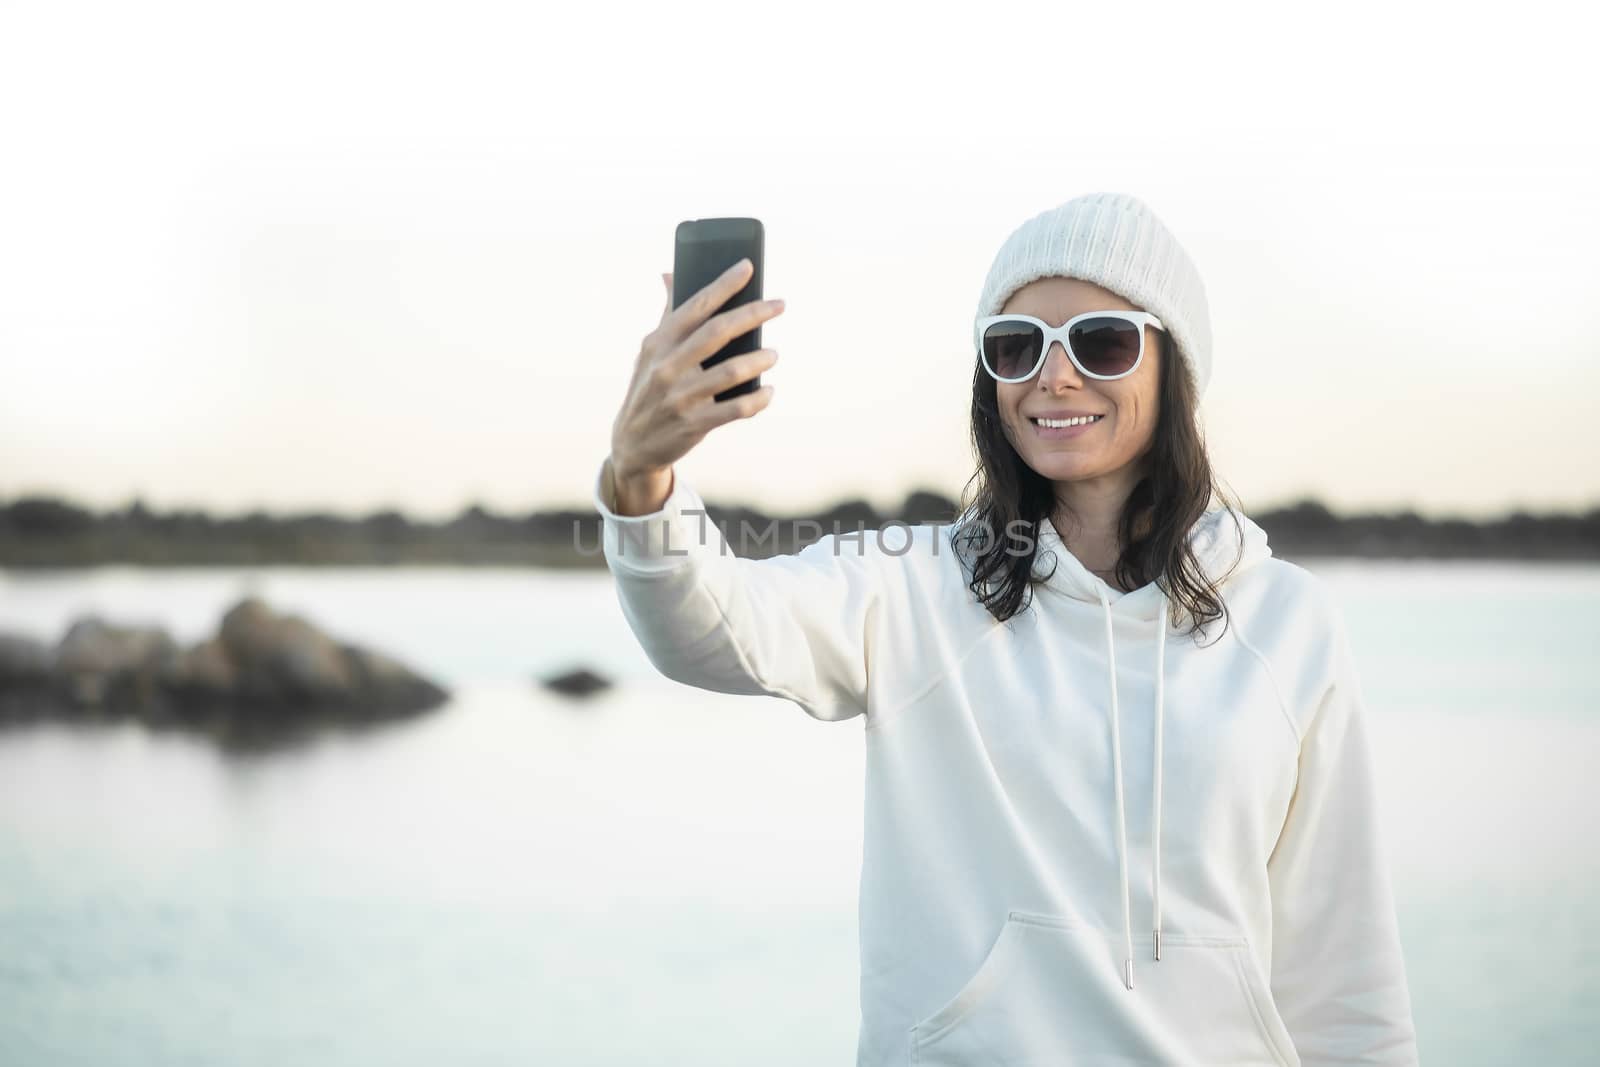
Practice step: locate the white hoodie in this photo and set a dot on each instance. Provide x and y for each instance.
(1089, 838)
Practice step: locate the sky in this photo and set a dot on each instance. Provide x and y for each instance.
(346, 256)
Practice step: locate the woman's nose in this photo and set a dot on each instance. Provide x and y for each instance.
(1058, 368)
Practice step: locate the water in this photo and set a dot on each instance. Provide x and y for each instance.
(663, 875)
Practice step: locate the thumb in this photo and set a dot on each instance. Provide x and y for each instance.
(666, 279)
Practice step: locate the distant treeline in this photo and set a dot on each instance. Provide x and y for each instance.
(44, 531)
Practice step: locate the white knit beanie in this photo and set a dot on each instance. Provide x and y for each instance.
(1115, 241)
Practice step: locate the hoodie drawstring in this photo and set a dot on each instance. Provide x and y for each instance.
(1122, 825)
(1155, 862)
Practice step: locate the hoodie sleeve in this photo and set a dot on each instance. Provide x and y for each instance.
(1338, 976)
(795, 626)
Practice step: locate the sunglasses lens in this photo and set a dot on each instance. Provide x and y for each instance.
(1106, 346)
(1012, 348)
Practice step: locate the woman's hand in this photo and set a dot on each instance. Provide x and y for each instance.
(670, 407)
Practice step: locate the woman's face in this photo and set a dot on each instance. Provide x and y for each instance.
(1129, 406)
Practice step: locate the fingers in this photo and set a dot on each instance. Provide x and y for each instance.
(740, 407)
(731, 372)
(701, 305)
(709, 412)
(716, 332)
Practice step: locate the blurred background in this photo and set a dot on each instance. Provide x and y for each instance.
(329, 307)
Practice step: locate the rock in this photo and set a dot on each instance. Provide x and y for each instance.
(262, 657)
(97, 664)
(283, 656)
(262, 673)
(202, 671)
(387, 683)
(23, 659)
(581, 682)
(25, 677)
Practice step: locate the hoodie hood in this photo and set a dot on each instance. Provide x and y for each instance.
(1219, 543)
(1226, 544)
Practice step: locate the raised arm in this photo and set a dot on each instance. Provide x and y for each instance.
(797, 627)
(1338, 975)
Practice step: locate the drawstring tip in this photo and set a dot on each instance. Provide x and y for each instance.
(1158, 942)
(1127, 972)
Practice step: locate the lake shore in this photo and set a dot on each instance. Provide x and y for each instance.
(40, 532)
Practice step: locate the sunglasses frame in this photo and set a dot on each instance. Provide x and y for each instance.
(1052, 334)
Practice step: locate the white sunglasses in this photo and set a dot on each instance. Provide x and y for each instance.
(1104, 345)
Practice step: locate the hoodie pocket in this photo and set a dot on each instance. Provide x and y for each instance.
(1050, 991)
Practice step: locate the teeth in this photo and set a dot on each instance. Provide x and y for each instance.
(1056, 424)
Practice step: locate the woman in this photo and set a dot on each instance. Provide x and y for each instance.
(1058, 736)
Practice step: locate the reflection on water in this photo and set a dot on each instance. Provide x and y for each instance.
(662, 875)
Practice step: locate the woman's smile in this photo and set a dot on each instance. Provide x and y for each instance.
(1061, 429)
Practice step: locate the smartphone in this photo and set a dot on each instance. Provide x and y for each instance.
(703, 250)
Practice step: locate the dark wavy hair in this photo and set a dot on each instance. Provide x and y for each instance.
(1006, 497)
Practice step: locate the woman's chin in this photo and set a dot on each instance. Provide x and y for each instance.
(1059, 465)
